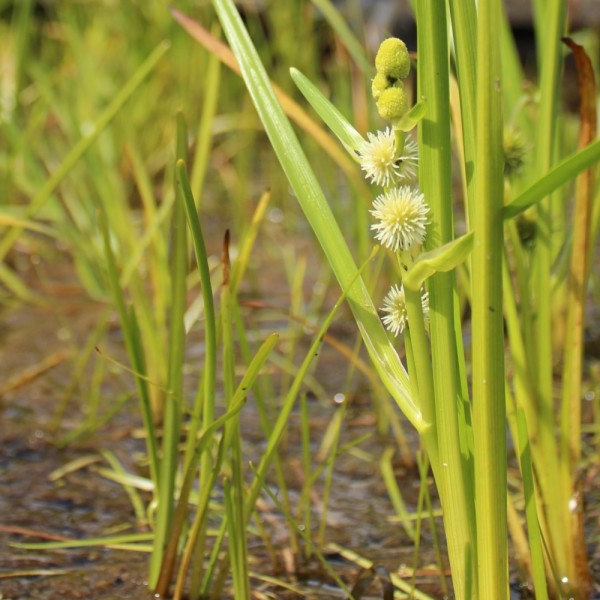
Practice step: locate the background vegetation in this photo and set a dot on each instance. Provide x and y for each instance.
(120, 133)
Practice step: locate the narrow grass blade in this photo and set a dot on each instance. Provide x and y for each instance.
(412, 118)
(348, 39)
(348, 136)
(387, 472)
(131, 490)
(135, 350)
(247, 243)
(292, 108)
(206, 410)
(233, 485)
(174, 397)
(109, 542)
(533, 526)
(204, 135)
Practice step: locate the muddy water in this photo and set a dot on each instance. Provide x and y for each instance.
(83, 504)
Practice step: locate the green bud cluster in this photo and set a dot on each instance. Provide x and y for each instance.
(393, 65)
(515, 151)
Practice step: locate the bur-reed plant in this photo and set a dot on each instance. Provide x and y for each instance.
(462, 429)
(461, 420)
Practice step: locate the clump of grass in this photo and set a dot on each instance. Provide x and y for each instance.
(204, 495)
(463, 432)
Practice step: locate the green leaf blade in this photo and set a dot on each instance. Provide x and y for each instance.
(345, 132)
(439, 260)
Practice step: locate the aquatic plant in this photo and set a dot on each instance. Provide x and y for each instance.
(462, 426)
(515, 261)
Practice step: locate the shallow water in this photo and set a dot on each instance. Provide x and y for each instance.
(83, 504)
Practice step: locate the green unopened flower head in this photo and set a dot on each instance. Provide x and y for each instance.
(515, 151)
(392, 59)
(379, 84)
(392, 103)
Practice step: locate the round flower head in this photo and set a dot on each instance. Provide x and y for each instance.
(392, 103)
(392, 59)
(394, 305)
(515, 151)
(380, 82)
(378, 158)
(401, 215)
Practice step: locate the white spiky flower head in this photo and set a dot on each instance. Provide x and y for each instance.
(394, 305)
(381, 163)
(401, 215)
(378, 158)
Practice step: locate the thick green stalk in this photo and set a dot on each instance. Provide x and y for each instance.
(420, 371)
(489, 411)
(550, 66)
(436, 183)
(554, 498)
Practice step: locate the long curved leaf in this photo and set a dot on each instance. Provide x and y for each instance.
(559, 175)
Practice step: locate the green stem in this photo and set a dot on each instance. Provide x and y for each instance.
(489, 411)
(173, 400)
(422, 371)
(204, 405)
(435, 178)
(554, 497)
